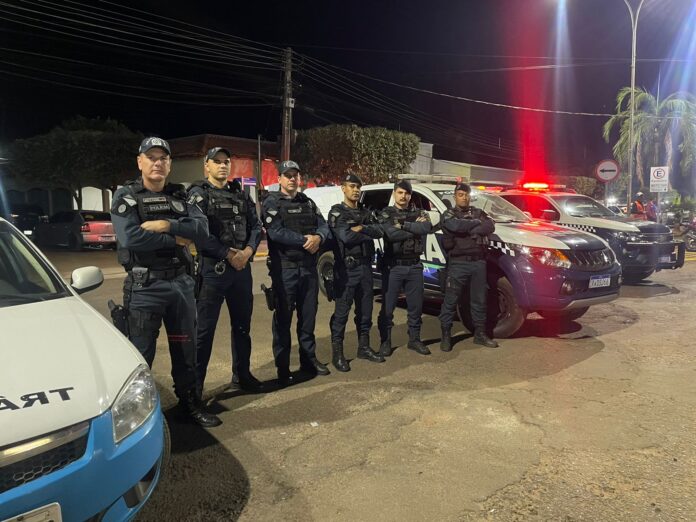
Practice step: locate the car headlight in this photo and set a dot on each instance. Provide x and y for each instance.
(550, 257)
(134, 404)
(627, 236)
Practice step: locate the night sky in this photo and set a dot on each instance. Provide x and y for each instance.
(186, 69)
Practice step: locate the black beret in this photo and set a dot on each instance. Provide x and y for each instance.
(352, 178)
(404, 184)
(463, 186)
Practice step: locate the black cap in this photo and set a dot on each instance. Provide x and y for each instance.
(151, 143)
(404, 184)
(463, 186)
(287, 165)
(351, 178)
(212, 152)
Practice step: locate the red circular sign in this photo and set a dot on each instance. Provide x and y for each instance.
(607, 170)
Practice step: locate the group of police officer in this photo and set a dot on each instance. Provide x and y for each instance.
(156, 222)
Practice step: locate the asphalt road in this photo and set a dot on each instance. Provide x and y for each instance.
(591, 422)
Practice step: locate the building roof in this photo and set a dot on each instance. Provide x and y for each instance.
(196, 146)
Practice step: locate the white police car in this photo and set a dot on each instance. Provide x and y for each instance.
(642, 247)
(532, 266)
(82, 436)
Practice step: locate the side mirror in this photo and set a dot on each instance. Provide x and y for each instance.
(86, 278)
(528, 214)
(550, 215)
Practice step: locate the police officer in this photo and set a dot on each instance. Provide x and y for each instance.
(354, 229)
(235, 233)
(296, 230)
(466, 231)
(154, 225)
(405, 232)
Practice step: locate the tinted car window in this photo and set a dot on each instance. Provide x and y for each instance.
(96, 216)
(376, 199)
(536, 205)
(62, 217)
(420, 201)
(24, 277)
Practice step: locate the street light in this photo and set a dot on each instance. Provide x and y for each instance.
(634, 30)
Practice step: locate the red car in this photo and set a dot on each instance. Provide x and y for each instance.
(77, 229)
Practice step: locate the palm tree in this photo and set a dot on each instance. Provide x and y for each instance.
(660, 129)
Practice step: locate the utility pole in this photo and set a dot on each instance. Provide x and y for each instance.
(288, 105)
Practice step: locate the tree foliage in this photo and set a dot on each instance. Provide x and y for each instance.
(373, 153)
(663, 131)
(78, 153)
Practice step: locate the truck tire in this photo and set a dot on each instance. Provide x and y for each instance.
(325, 266)
(565, 316)
(505, 316)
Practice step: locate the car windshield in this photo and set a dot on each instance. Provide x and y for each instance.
(582, 206)
(24, 277)
(497, 208)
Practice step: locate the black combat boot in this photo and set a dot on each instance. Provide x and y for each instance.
(385, 347)
(446, 341)
(338, 358)
(365, 352)
(247, 383)
(312, 366)
(415, 343)
(481, 338)
(193, 410)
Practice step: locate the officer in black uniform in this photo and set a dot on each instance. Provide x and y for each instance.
(354, 229)
(466, 230)
(405, 233)
(154, 226)
(296, 230)
(235, 233)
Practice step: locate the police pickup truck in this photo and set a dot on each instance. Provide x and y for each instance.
(82, 436)
(532, 266)
(642, 247)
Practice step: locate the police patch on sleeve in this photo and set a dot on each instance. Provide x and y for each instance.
(178, 205)
(194, 198)
(122, 207)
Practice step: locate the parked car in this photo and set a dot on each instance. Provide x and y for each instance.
(77, 229)
(642, 247)
(532, 266)
(82, 433)
(27, 217)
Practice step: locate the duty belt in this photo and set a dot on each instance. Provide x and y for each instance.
(142, 275)
(403, 262)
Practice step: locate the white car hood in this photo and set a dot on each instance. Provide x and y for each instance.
(547, 235)
(57, 345)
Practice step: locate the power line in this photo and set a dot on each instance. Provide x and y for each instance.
(463, 98)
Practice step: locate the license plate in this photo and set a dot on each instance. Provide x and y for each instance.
(665, 259)
(600, 281)
(49, 513)
(107, 238)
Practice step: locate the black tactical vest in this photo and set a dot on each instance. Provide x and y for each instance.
(299, 215)
(353, 217)
(411, 248)
(227, 216)
(151, 206)
(457, 245)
